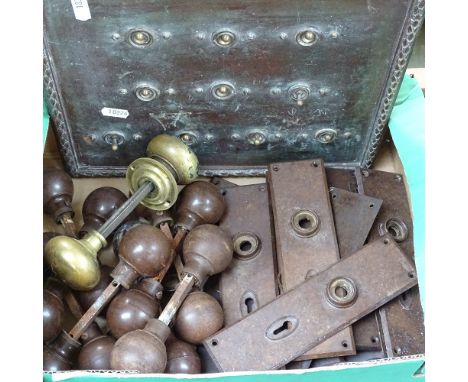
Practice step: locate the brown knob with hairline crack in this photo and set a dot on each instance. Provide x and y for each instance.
(207, 250)
(199, 317)
(132, 308)
(99, 206)
(57, 193)
(182, 358)
(199, 203)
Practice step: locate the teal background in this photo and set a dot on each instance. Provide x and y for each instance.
(407, 129)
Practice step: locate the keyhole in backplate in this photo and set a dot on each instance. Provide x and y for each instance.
(249, 303)
(286, 326)
(282, 328)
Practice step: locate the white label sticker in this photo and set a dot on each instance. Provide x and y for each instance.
(117, 113)
(81, 9)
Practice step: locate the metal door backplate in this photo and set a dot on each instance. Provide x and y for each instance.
(299, 192)
(303, 317)
(354, 216)
(401, 320)
(250, 280)
(244, 84)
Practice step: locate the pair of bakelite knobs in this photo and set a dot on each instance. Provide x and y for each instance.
(144, 252)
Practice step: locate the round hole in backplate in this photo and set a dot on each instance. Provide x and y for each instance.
(397, 350)
(315, 164)
(411, 275)
(375, 339)
(246, 245)
(344, 344)
(341, 292)
(397, 228)
(224, 192)
(214, 342)
(305, 223)
(386, 241)
(334, 196)
(371, 205)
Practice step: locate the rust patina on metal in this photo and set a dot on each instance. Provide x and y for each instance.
(401, 321)
(315, 310)
(305, 235)
(250, 280)
(354, 216)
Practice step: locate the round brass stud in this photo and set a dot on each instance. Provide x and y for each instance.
(256, 139)
(307, 37)
(223, 91)
(325, 135)
(146, 93)
(341, 292)
(224, 39)
(140, 38)
(188, 138)
(299, 93)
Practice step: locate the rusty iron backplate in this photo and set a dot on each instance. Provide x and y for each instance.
(354, 216)
(303, 317)
(401, 321)
(341, 178)
(368, 334)
(299, 198)
(243, 83)
(250, 280)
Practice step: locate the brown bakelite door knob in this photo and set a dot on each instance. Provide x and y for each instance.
(95, 355)
(207, 250)
(86, 299)
(57, 193)
(182, 358)
(199, 317)
(132, 308)
(52, 311)
(142, 350)
(143, 251)
(99, 207)
(199, 203)
(96, 350)
(60, 354)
